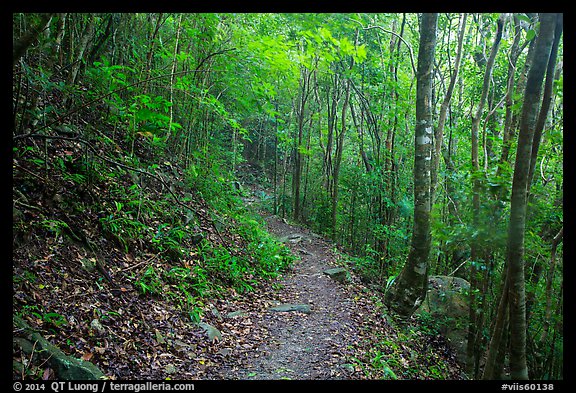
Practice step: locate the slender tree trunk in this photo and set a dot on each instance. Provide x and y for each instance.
(148, 65)
(57, 46)
(88, 32)
(549, 281)
(410, 288)
(475, 252)
(546, 99)
(520, 188)
(174, 63)
(305, 76)
(275, 180)
(79, 55)
(338, 160)
(439, 131)
(24, 42)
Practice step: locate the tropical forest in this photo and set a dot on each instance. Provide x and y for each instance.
(287, 196)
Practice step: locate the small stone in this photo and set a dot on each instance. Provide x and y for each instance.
(305, 308)
(212, 333)
(294, 238)
(234, 314)
(215, 312)
(97, 326)
(224, 351)
(170, 369)
(338, 274)
(88, 264)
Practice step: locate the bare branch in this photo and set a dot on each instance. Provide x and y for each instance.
(401, 38)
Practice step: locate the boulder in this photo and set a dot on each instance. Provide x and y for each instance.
(338, 274)
(447, 303)
(65, 367)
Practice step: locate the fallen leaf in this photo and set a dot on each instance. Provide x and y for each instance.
(87, 356)
(47, 374)
(99, 350)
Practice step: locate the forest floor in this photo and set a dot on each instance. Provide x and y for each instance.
(318, 342)
(333, 330)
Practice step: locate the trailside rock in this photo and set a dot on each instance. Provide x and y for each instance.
(234, 314)
(286, 307)
(338, 274)
(447, 302)
(66, 367)
(212, 333)
(294, 238)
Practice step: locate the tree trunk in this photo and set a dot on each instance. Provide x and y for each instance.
(338, 160)
(57, 46)
(519, 198)
(409, 290)
(549, 281)
(439, 131)
(24, 42)
(547, 98)
(148, 64)
(79, 55)
(297, 170)
(88, 32)
(475, 252)
(494, 348)
(174, 63)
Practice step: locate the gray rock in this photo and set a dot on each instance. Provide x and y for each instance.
(287, 307)
(235, 314)
(337, 274)
(170, 369)
(65, 367)
(97, 326)
(215, 312)
(294, 238)
(88, 264)
(212, 333)
(447, 302)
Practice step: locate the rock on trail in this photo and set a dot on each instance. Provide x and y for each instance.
(310, 328)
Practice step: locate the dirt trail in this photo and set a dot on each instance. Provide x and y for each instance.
(303, 345)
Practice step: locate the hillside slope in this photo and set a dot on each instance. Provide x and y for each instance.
(137, 273)
(117, 254)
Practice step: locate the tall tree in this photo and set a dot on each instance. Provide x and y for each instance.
(519, 198)
(475, 251)
(409, 290)
(26, 40)
(514, 291)
(439, 131)
(304, 93)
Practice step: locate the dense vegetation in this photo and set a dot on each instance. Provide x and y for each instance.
(110, 108)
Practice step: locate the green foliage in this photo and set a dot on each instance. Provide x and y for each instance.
(57, 227)
(169, 239)
(210, 91)
(49, 318)
(407, 355)
(149, 282)
(122, 226)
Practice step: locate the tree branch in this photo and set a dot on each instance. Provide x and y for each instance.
(77, 109)
(401, 38)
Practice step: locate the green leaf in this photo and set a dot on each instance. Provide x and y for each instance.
(530, 34)
(360, 53)
(524, 17)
